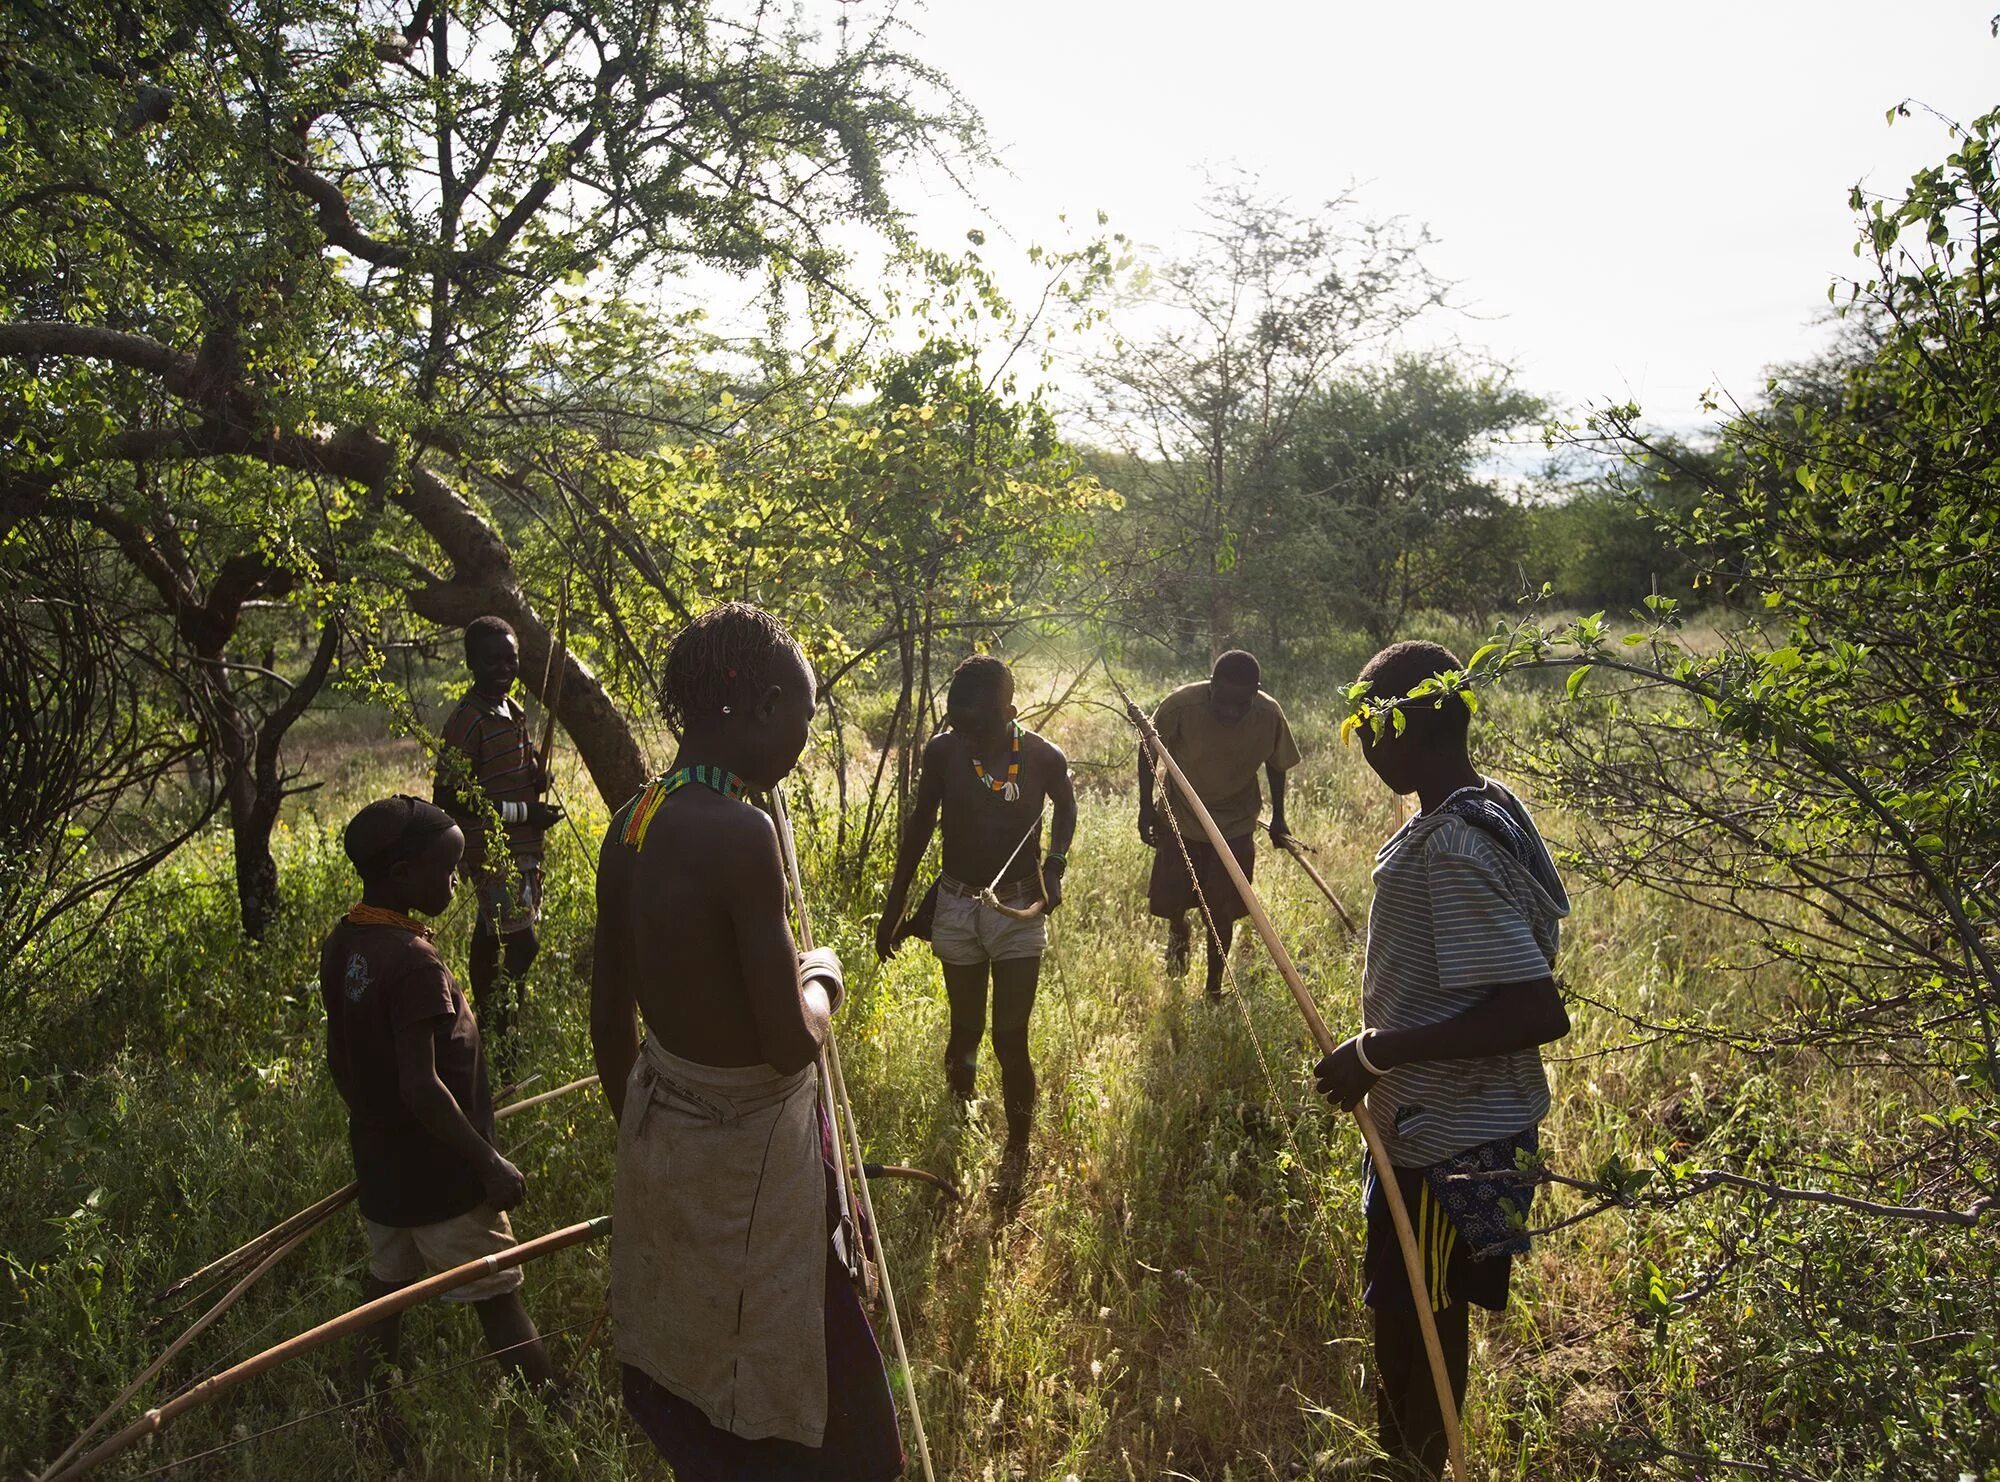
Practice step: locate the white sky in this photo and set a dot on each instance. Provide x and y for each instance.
(1637, 200)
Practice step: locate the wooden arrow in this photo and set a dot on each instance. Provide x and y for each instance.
(364, 1316)
(1292, 847)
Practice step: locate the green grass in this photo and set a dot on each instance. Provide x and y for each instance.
(1177, 1294)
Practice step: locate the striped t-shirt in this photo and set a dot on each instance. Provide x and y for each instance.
(492, 735)
(1455, 915)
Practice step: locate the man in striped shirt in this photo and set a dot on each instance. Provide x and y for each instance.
(1458, 994)
(488, 773)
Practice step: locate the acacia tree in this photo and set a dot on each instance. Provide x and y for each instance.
(1384, 507)
(353, 261)
(895, 506)
(1202, 404)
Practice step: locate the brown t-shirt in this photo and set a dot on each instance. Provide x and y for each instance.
(372, 980)
(492, 736)
(1222, 761)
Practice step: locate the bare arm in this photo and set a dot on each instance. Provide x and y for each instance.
(614, 1011)
(1165, 726)
(1062, 824)
(1513, 1016)
(792, 1018)
(1062, 797)
(1148, 824)
(437, 1111)
(915, 839)
(1277, 780)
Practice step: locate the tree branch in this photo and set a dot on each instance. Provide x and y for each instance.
(35, 338)
(337, 223)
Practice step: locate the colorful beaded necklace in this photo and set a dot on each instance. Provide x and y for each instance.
(1011, 788)
(715, 779)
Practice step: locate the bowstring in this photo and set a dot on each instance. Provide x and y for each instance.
(1164, 784)
(321, 1284)
(318, 1287)
(795, 879)
(373, 1394)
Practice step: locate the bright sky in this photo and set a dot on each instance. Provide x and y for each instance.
(1638, 200)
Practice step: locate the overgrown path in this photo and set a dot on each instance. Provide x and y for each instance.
(1176, 1292)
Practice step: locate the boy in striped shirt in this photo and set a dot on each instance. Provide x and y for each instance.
(1458, 995)
(488, 768)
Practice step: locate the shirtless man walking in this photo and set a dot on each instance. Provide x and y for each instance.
(989, 779)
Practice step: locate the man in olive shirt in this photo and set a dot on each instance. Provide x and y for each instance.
(1220, 731)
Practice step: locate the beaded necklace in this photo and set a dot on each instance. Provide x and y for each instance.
(715, 779)
(1011, 788)
(363, 914)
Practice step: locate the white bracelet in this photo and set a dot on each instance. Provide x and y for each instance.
(513, 812)
(1361, 1053)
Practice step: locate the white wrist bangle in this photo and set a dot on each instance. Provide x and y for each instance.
(513, 812)
(1361, 1053)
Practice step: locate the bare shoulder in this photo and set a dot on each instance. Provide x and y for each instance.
(941, 748)
(743, 838)
(1037, 747)
(614, 860)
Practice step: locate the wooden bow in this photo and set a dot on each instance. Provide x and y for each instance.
(1385, 1171)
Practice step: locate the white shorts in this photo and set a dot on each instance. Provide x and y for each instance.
(401, 1254)
(966, 932)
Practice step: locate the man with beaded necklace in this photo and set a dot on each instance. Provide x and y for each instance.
(988, 779)
(744, 1345)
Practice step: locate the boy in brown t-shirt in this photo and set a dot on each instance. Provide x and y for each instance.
(405, 1053)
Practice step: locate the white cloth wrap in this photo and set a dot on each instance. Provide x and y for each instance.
(719, 1242)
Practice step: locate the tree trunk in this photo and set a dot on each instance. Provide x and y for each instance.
(256, 870)
(1221, 615)
(483, 581)
(257, 792)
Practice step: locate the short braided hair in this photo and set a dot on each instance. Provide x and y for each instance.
(485, 630)
(724, 657)
(980, 677)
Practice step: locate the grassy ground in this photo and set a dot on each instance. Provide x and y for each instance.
(1176, 1296)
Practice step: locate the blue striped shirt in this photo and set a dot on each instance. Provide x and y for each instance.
(1455, 915)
